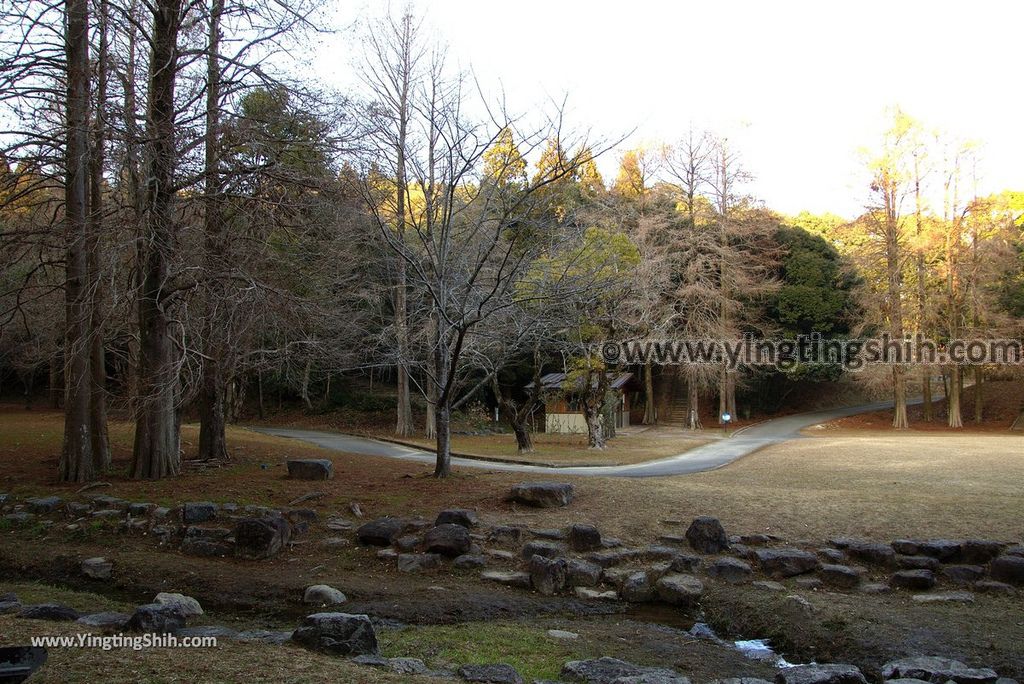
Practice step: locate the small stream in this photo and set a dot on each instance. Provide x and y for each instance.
(755, 649)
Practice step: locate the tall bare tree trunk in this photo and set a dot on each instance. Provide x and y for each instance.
(693, 421)
(98, 364)
(156, 452)
(213, 390)
(76, 461)
(979, 394)
(443, 410)
(895, 306)
(953, 404)
(650, 405)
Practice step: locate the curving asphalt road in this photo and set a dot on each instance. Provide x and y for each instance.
(707, 457)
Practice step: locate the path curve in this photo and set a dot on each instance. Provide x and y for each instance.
(706, 457)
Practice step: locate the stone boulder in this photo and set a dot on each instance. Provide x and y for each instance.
(979, 551)
(840, 576)
(155, 618)
(937, 670)
(259, 538)
(417, 562)
(470, 561)
(184, 605)
(202, 546)
(519, 580)
(97, 568)
(43, 504)
(730, 570)
(540, 547)
(680, 590)
(49, 611)
(917, 563)
(782, 563)
(311, 469)
(1008, 569)
(944, 550)
(448, 540)
(584, 537)
(963, 574)
(871, 552)
(380, 532)
(337, 634)
(497, 673)
(108, 621)
(543, 494)
(505, 535)
(915, 580)
(198, 512)
(547, 575)
(706, 535)
(457, 516)
(323, 595)
(582, 573)
(820, 674)
(610, 670)
(636, 587)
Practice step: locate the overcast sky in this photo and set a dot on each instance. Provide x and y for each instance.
(799, 87)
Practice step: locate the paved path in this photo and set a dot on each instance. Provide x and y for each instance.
(707, 457)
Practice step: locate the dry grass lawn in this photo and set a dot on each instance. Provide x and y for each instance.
(878, 485)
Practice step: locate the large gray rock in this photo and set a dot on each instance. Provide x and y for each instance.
(200, 546)
(457, 516)
(417, 562)
(937, 670)
(963, 574)
(680, 590)
(198, 512)
(820, 674)
(917, 563)
(108, 621)
(470, 561)
(543, 494)
(260, 538)
(155, 618)
(782, 563)
(1008, 569)
(979, 551)
(612, 670)
(540, 547)
(448, 540)
(637, 587)
(505, 535)
(706, 535)
(840, 576)
(520, 580)
(49, 611)
(915, 580)
(730, 570)
(323, 595)
(497, 673)
(944, 550)
(43, 504)
(582, 573)
(871, 552)
(380, 532)
(97, 568)
(584, 537)
(184, 605)
(547, 575)
(337, 634)
(311, 469)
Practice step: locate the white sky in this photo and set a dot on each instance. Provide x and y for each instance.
(799, 87)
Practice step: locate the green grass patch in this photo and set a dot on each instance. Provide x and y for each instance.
(528, 649)
(82, 601)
